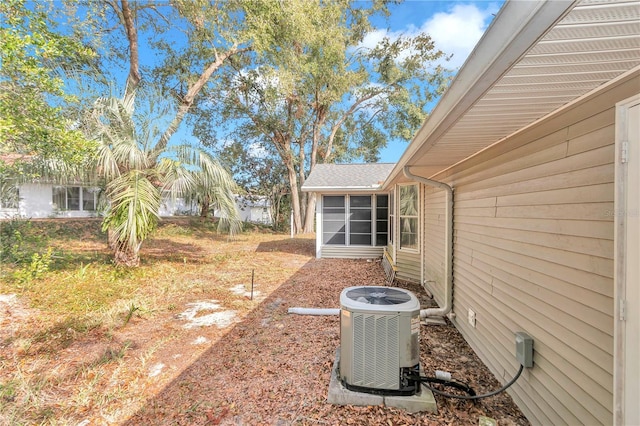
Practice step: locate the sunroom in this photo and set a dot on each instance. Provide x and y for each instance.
(352, 213)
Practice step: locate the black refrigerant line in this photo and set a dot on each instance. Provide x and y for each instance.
(466, 388)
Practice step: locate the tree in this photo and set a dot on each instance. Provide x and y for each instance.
(260, 173)
(35, 123)
(138, 171)
(315, 94)
(137, 174)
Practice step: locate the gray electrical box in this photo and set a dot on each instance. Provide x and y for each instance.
(524, 349)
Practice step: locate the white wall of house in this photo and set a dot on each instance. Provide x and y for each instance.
(177, 207)
(256, 210)
(35, 202)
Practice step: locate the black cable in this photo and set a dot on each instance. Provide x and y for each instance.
(425, 380)
(450, 383)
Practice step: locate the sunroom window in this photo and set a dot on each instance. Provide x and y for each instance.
(360, 220)
(382, 219)
(408, 217)
(333, 220)
(355, 220)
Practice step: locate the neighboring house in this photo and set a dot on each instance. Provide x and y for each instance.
(538, 140)
(46, 200)
(43, 200)
(255, 208)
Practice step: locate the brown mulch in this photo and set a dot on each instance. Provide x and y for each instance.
(273, 368)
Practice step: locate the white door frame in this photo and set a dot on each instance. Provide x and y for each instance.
(626, 368)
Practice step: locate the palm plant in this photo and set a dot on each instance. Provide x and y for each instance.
(137, 172)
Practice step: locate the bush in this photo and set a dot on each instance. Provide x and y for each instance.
(18, 241)
(36, 269)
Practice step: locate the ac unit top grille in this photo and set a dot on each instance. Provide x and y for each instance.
(378, 299)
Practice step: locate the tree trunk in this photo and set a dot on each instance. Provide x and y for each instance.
(309, 219)
(124, 255)
(295, 198)
(204, 209)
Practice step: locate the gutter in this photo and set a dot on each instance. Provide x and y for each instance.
(448, 251)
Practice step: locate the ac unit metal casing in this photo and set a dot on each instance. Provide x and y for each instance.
(379, 339)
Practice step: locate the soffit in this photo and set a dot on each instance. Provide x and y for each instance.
(595, 42)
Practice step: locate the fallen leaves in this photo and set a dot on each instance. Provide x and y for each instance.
(274, 368)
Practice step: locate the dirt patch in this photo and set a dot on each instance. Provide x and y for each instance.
(274, 368)
(216, 357)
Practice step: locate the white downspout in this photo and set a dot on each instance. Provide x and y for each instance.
(448, 250)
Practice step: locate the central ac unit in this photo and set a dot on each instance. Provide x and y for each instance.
(379, 340)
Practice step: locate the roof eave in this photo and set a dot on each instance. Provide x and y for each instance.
(494, 55)
(376, 188)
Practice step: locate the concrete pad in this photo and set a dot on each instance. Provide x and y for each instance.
(339, 395)
(423, 401)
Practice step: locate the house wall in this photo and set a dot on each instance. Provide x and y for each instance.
(351, 252)
(533, 252)
(408, 263)
(434, 207)
(35, 200)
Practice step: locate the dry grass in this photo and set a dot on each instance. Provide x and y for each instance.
(178, 340)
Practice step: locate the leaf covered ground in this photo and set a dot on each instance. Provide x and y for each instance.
(189, 346)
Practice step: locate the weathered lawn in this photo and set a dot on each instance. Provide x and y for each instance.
(178, 340)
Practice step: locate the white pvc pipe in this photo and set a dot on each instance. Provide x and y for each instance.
(448, 250)
(314, 311)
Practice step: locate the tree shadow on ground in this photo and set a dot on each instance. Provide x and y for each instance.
(166, 250)
(292, 246)
(270, 368)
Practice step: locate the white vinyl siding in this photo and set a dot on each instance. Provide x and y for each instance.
(533, 252)
(408, 263)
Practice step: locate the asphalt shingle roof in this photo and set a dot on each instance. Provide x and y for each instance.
(332, 177)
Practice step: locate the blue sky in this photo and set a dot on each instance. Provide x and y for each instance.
(455, 27)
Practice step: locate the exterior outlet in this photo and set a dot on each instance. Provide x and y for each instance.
(471, 317)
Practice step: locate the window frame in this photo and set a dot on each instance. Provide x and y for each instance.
(81, 191)
(392, 216)
(410, 217)
(351, 220)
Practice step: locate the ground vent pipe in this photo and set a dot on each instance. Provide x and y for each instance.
(448, 273)
(314, 311)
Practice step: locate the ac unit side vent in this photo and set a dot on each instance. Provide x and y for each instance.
(375, 347)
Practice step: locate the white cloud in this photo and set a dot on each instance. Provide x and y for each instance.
(455, 31)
